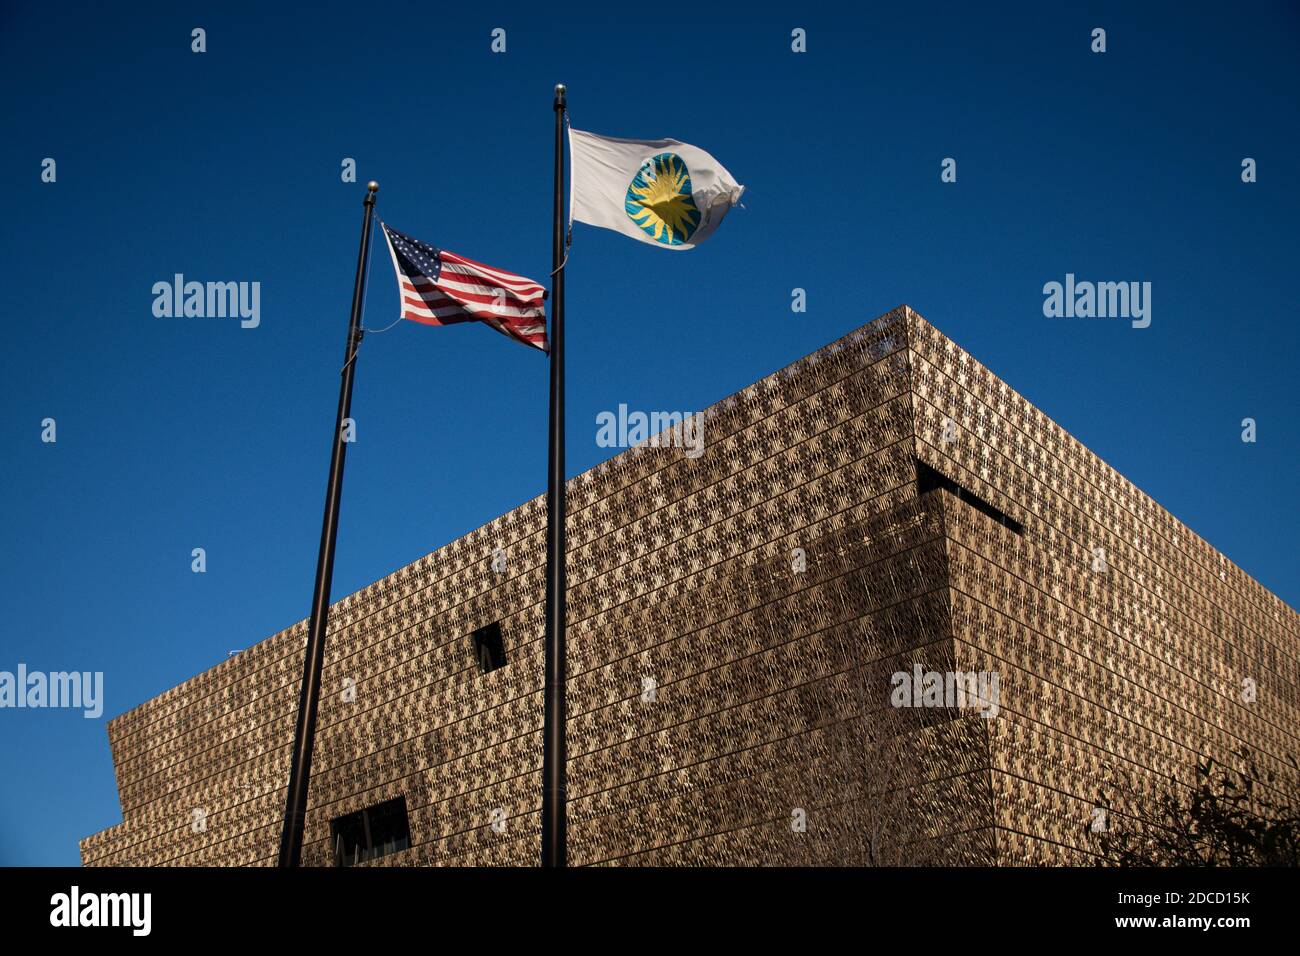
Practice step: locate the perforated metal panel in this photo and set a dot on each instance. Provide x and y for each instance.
(729, 700)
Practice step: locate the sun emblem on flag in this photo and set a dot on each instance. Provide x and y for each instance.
(659, 200)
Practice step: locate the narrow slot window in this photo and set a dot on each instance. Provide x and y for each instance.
(927, 479)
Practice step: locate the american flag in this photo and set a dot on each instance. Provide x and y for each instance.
(438, 287)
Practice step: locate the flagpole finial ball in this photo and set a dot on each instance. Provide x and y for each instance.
(373, 186)
(559, 89)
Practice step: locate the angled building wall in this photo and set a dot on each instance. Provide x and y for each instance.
(884, 504)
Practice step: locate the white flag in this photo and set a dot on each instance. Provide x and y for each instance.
(670, 194)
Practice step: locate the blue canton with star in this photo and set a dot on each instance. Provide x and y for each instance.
(417, 257)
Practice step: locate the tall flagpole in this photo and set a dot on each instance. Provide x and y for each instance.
(295, 807)
(554, 746)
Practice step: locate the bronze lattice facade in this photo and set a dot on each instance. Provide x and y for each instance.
(881, 506)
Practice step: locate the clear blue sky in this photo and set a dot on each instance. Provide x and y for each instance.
(183, 433)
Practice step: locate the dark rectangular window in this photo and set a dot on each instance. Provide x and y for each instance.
(927, 479)
(489, 649)
(370, 833)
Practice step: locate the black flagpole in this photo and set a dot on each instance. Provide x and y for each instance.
(295, 807)
(554, 747)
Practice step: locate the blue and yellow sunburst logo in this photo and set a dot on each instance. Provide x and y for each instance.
(659, 200)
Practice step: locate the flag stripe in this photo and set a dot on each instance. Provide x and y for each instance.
(501, 295)
(481, 303)
(442, 302)
(508, 278)
(473, 281)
